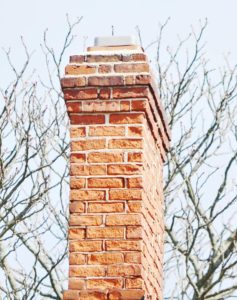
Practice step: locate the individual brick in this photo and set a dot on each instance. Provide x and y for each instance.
(87, 145)
(104, 283)
(134, 57)
(77, 158)
(105, 258)
(76, 233)
(77, 59)
(125, 144)
(124, 270)
(123, 245)
(85, 271)
(92, 295)
(77, 259)
(85, 246)
(134, 206)
(76, 207)
(130, 118)
(76, 132)
(135, 131)
(103, 58)
(134, 232)
(97, 170)
(127, 219)
(105, 232)
(133, 283)
(100, 106)
(105, 207)
(123, 169)
(86, 195)
(80, 69)
(105, 80)
(135, 157)
(80, 94)
(105, 68)
(131, 68)
(125, 105)
(107, 131)
(77, 183)
(71, 82)
(139, 105)
(80, 220)
(104, 157)
(126, 295)
(74, 107)
(71, 295)
(134, 182)
(133, 257)
(87, 119)
(105, 182)
(130, 92)
(104, 93)
(143, 79)
(126, 194)
(76, 284)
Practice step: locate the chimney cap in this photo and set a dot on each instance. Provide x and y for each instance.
(113, 41)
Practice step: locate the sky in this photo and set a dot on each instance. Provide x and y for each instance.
(29, 19)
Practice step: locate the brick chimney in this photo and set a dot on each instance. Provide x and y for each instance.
(119, 140)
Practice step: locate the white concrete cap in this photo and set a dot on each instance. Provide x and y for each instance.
(106, 41)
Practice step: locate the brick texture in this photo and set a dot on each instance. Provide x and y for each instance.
(119, 139)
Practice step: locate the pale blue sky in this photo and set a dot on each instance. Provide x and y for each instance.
(30, 18)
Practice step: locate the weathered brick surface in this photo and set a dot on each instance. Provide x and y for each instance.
(118, 143)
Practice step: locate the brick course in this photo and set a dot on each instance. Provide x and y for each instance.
(119, 137)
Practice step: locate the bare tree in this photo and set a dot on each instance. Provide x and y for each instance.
(200, 185)
(200, 181)
(33, 178)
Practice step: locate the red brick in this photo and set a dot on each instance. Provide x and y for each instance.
(77, 58)
(76, 233)
(71, 295)
(131, 118)
(104, 93)
(77, 158)
(74, 107)
(105, 182)
(76, 284)
(126, 194)
(76, 207)
(105, 68)
(126, 295)
(101, 106)
(105, 80)
(143, 79)
(125, 144)
(135, 131)
(76, 170)
(124, 270)
(76, 132)
(80, 69)
(88, 145)
(134, 206)
(130, 92)
(80, 94)
(125, 105)
(104, 58)
(134, 182)
(124, 169)
(87, 119)
(123, 245)
(103, 157)
(93, 295)
(133, 283)
(88, 220)
(105, 207)
(77, 183)
(87, 195)
(105, 232)
(130, 80)
(77, 259)
(85, 271)
(131, 68)
(97, 170)
(107, 131)
(134, 232)
(105, 258)
(85, 246)
(135, 157)
(133, 257)
(128, 219)
(70, 82)
(104, 283)
(134, 57)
